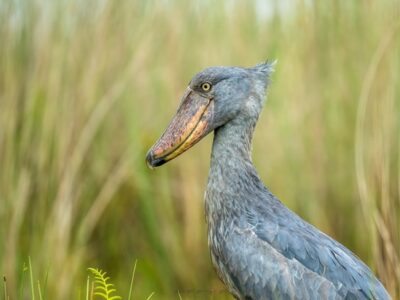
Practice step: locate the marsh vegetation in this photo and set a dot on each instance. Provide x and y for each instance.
(86, 87)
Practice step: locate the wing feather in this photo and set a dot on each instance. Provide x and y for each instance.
(259, 271)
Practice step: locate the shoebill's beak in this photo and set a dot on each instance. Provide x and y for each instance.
(191, 123)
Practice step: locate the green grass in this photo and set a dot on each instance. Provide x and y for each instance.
(98, 286)
(87, 87)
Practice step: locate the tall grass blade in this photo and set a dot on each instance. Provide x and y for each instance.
(150, 296)
(132, 278)
(39, 290)
(21, 281)
(87, 288)
(31, 278)
(5, 287)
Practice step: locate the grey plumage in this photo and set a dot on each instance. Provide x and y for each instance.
(261, 249)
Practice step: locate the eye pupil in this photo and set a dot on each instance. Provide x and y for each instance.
(206, 86)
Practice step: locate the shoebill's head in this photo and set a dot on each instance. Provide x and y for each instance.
(214, 97)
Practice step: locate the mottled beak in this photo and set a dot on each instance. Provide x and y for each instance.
(191, 123)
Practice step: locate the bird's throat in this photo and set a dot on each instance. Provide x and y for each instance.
(231, 176)
(232, 142)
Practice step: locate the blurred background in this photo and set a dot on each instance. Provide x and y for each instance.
(86, 87)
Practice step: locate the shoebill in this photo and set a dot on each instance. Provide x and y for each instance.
(259, 248)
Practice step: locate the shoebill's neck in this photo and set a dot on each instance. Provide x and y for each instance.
(232, 178)
(232, 143)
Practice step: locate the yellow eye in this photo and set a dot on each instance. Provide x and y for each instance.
(206, 86)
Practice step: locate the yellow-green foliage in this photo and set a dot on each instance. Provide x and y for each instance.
(86, 87)
(102, 286)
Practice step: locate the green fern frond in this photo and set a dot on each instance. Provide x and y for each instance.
(102, 287)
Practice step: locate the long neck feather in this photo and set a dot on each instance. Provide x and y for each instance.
(233, 179)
